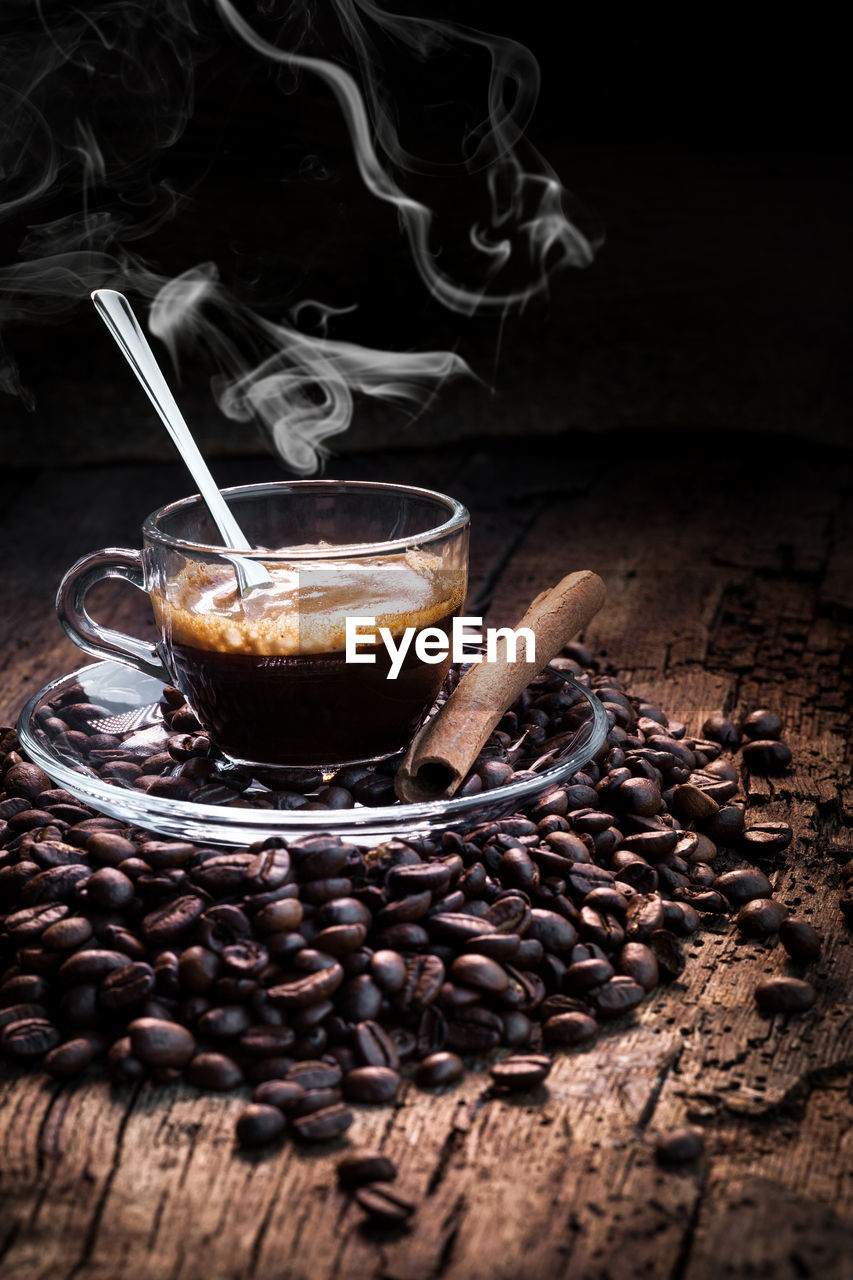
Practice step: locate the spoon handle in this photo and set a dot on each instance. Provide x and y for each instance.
(117, 314)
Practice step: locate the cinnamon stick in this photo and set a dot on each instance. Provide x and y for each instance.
(444, 748)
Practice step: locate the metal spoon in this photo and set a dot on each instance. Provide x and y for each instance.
(117, 314)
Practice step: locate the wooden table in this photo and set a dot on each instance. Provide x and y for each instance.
(728, 563)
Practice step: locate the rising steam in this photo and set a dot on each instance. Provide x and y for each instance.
(300, 388)
(91, 97)
(527, 214)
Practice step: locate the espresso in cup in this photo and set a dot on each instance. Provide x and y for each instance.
(267, 673)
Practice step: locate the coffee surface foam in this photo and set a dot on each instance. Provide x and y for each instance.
(306, 608)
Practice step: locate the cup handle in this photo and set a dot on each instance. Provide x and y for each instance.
(89, 635)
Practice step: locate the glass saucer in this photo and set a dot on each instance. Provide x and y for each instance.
(129, 703)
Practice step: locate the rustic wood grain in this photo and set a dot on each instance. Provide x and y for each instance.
(729, 586)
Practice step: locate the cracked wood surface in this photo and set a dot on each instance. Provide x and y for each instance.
(730, 585)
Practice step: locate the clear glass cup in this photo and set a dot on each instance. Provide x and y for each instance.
(267, 673)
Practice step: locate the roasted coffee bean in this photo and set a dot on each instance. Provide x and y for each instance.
(518, 870)
(53, 853)
(57, 884)
(433, 876)
(644, 916)
(172, 921)
(19, 1012)
(67, 934)
(480, 972)
(604, 931)
(31, 819)
(570, 1028)
(705, 901)
(517, 1029)
(452, 997)
(617, 996)
(371, 1084)
(309, 990)
(359, 999)
(607, 901)
(359, 1167)
(760, 917)
(28, 1037)
(316, 1075)
(23, 988)
(26, 780)
(570, 846)
(439, 1069)
(693, 804)
(638, 795)
(403, 937)
(720, 729)
(586, 974)
(554, 932)
(669, 953)
(259, 1125)
(784, 995)
(761, 724)
(214, 1071)
(284, 1094)
(800, 939)
(510, 914)
(69, 1059)
(384, 1207)
(424, 976)
(159, 1043)
(405, 910)
(244, 959)
(456, 928)
(280, 917)
(224, 1022)
(767, 837)
(766, 756)
(323, 1126)
(223, 874)
(719, 789)
(501, 947)
(522, 1071)
(123, 988)
(388, 969)
(91, 965)
(166, 973)
(315, 1100)
(110, 888)
(265, 1041)
(308, 960)
(123, 1065)
(638, 961)
(222, 926)
(374, 1047)
(474, 1030)
(637, 875)
(529, 954)
(743, 885)
(198, 969)
(650, 845)
(679, 1146)
(680, 918)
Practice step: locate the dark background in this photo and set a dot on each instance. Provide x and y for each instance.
(713, 150)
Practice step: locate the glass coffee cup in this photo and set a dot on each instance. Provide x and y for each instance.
(267, 674)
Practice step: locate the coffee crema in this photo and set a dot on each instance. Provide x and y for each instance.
(306, 608)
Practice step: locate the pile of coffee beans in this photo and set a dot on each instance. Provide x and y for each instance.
(317, 974)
